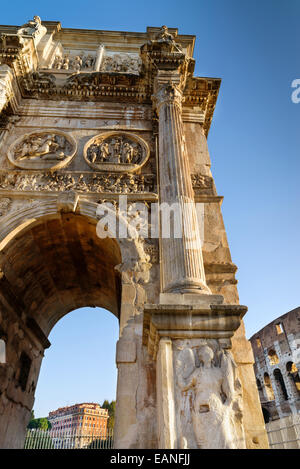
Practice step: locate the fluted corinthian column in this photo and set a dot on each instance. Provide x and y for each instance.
(6, 92)
(182, 262)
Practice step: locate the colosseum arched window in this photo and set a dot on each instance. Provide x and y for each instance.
(281, 388)
(273, 357)
(268, 387)
(260, 390)
(292, 372)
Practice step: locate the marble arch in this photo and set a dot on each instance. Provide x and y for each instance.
(182, 356)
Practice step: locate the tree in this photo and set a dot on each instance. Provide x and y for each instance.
(111, 407)
(41, 423)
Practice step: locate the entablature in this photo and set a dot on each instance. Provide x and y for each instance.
(54, 63)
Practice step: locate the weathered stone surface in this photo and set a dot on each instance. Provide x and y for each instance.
(209, 397)
(126, 351)
(166, 414)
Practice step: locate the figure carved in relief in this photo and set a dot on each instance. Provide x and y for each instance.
(121, 63)
(216, 403)
(66, 63)
(53, 181)
(58, 62)
(8, 180)
(117, 185)
(77, 63)
(88, 62)
(127, 153)
(81, 184)
(104, 151)
(142, 184)
(70, 182)
(116, 150)
(47, 148)
(93, 153)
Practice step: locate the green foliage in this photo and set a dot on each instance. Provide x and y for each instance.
(111, 407)
(41, 423)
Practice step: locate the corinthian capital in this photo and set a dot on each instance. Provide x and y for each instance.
(168, 93)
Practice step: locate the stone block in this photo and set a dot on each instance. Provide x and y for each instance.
(126, 351)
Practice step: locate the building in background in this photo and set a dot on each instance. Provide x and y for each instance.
(78, 425)
(276, 350)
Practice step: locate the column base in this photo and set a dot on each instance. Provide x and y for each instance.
(188, 286)
(190, 298)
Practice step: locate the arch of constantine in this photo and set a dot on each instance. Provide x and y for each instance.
(89, 118)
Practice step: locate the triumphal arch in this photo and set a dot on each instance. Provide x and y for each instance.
(102, 143)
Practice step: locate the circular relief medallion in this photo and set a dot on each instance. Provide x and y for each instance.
(44, 149)
(116, 152)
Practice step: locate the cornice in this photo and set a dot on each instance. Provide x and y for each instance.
(202, 93)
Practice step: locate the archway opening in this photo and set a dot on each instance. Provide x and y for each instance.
(268, 387)
(76, 391)
(281, 388)
(260, 390)
(294, 378)
(266, 415)
(53, 266)
(273, 357)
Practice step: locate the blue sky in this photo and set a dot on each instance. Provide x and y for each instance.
(254, 142)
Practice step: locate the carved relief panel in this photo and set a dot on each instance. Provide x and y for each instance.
(56, 181)
(116, 151)
(208, 397)
(122, 63)
(44, 149)
(75, 63)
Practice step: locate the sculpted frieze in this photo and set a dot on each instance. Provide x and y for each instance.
(75, 63)
(45, 149)
(39, 83)
(87, 84)
(79, 182)
(71, 62)
(97, 81)
(202, 184)
(116, 151)
(121, 63)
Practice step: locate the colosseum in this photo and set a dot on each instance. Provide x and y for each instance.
(276, 349)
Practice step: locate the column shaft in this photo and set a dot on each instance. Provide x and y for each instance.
(165, 395)
(5, 86)
(182, 262)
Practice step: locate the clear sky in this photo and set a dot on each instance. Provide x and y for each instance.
(254, 142)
